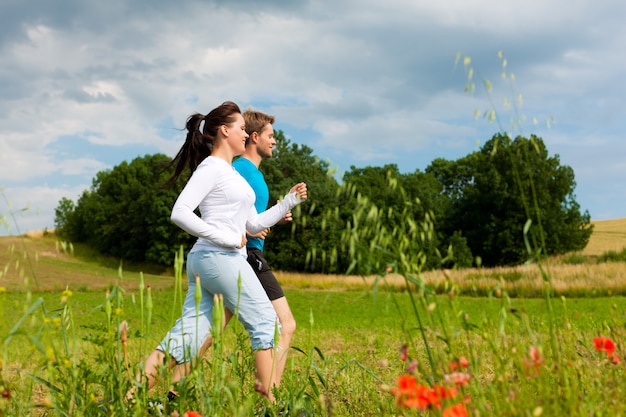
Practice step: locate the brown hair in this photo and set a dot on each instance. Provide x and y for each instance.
(256, 121)
(198, 145)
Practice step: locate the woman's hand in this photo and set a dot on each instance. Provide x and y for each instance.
(261, 234)
(300, 190)
(288, 217)
(243, 241)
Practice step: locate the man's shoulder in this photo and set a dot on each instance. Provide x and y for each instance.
(243, 165)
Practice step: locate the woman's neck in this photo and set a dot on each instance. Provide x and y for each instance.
(223, 153)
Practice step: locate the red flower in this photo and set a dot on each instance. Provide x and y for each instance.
(411, 367)
(457, 378)
(458, 410)
(410, 394)
(615, 359)
(462, 362)
(421, 398)
(404, 353)
(534, 361)
(406, 382)
(407, 392)
(443, 392)
(535, 355)
(192, 414)
(604, 344)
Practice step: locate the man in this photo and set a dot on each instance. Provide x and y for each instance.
(259, 146)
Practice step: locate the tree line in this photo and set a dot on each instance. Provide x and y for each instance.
(504, 204)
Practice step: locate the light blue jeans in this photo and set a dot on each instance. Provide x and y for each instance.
(219, 273)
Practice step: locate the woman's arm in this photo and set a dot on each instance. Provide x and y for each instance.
(201, 183)
(259, 221)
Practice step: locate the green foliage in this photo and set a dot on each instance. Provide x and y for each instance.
(346, 354)
(126, 213)
(575, 259)
(63, 217)
(495, 191)
(398, 235)
(478, 205)
(83, 364)
(613, 256)
(459, 254)
(286, 246)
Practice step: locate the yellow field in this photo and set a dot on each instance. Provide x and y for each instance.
(607, 235)
(603, 278)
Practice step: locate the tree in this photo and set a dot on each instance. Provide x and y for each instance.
(63, 216)
(386, 220)
(126, 213)
(508, 202)
(507, 186)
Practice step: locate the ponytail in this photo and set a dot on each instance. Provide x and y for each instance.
(199, 145)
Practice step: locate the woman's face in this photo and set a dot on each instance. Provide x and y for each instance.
(237, 135)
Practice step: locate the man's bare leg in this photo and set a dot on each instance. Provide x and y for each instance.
(287, 329)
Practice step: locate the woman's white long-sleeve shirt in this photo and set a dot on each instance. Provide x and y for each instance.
(226, 203)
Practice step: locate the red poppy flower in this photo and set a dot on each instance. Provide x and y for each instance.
(534, 361)
(443, 392)
(406, 382)
(422, 398)
(412, 367)
(458, 410)
(535, 355)
(457, 378)
(463, 362)
(406, 386)
(604, 344)
(410, 394)
(192, 414)
(404, 353)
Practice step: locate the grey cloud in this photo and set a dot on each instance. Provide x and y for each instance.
(81, 96)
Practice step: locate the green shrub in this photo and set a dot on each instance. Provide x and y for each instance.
(613, 256)
(575, 259)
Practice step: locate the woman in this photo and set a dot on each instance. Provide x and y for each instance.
(226, 203)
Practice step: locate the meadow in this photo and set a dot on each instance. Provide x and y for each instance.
(533, 340)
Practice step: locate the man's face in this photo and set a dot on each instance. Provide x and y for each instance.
(266, 141)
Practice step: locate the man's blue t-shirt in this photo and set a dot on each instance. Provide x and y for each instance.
(255, 178)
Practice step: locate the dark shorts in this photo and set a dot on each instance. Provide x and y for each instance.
(264, 273)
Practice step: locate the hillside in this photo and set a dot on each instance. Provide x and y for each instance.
(38, 262)
(607, 235)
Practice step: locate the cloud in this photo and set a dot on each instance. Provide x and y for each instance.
(85, 85)
(32, 208)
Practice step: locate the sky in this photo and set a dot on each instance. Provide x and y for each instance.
(86, 85)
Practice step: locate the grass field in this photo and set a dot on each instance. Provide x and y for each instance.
(358, 335)
(527, 354)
